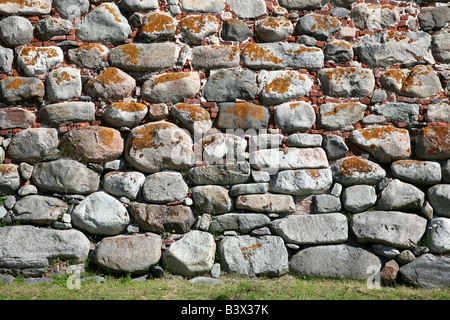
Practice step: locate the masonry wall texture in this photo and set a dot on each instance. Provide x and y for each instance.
(246, 137)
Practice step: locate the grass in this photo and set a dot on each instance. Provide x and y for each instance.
(287, 287)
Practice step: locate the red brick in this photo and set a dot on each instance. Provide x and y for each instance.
(405, 99)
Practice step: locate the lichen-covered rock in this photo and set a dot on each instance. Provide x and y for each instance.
(433, 143)
(29, 8)
(164, 187)
(158, 26)
(267, 203)
(417, 172)
(16, 31)
(398, 111)
(439, 198)
(194, 117)
(90, 55)
(242, 115)
(171, 87)
(63, 84)
(111, 84)
(356, 170)
(105, 24)
(248, 10)
(198, 27)
(336, 116)
(284, 85)
(16, 117)
(72, 111)
(211, 199)
(52, 27)
(144, 56)
(220, 174)
(347, 81)
(272, 29)
(39, 210)
(384, 143)
(318, 25)
(39, 60)
(374, 16)
(33, 145)
(301, 182)
(159, 145)
(294, 116)
(230, 85)
(125, 114)
(9, 179)
(215, 57)
(18, 90)
(339, 51)
(96, 144)
(123, 184)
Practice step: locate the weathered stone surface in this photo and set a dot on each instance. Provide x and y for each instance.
(52, 27)
(249, 188)
(6, 59)
(111, 84)
(235, 30)
(142, 251)
(248, 10)
(215, 57)
(231, 85)
(397, 229)
(433, 143)
(279, 55)
(138, 5)
(358, 198)
(318, 25)
(417, 172)
(105, 24)
(356, 170)
(158, 111)
(438, 112)
(302, 140)
(374, 16)
(32, 7)
(39, 210)
(386, 48)
(339, 51)
(272, 29)
(427, 271)
(386, 251)
(209, 6)
(254, 256)
(71, 9)
(284, 85)
(335, 146)
(22, 255)
(63, 84)
(123, 184)
(171, 87)
(301, 182)
(164, 187)
(212, 199)
(265, 141)
(242, 223)
(93, 144)
(16, 117)
(198, 27)
(439, 233)
(273, 160)
(302, 4)
(347, 81)
(101, 214)
(336, 116)
(33, 145)
(144, 56)
(16, 90)
(399, 111)
(439, 198)
(16, 31)
(223, 146)
(384, 143)
(63, 112)
(326, 203)
(401, 196)
(439, 47)
(160, 218)
(312, 229)
(294, 116)
(65, 176)
(158, 26)
(335, 261)
(220, 174)
(433, 18)
(266, 203)
(157, 146)
(90, 55)
(446, 172)
(39, 60)
(196, 119)
(191, 255)
(9, 179)
(242, 115)
(125, 114)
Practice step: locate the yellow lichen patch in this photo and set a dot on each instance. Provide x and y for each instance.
(112, 11)
(7, 169)
(90, 46)
(324, 22)
(106, 136)
(256, 52)
(64, 76)
(340, 107)
(294, 105)
(158, 22)
(395, 36)
(110, 76)
(130, 52)
(275, 22)
(283, 83)
(244, 110)
(437, 138)
(352, 165)
(146, 136)
(379, 132)
(15, 83)
(167, 77)
(396, 74)
(409, 163)
(315, 174)
(196, 113)
(128, 106)
(196, 24)
(30, 55)
(412, 79)
(338, 73)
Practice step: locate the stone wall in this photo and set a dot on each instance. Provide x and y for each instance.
(248, 137)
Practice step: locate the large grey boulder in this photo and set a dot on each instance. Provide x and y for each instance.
(71, 111)
(220, 174)
(417, 172)
(439, 198)
(101, 214)
(124, 184)
(22, 254)
(401, 196)
(242, 115)
(312, 228)
(248, 10)
(433, 143)
(427, 271)
(33, 145)
(164, 187)
(242, 223)
(294, 116)
(16, 31)
(39, 210)
(439, 235)
(302, 4)
(71, 9)
(230, 85)
(397, 229)
(373, 16)
(301, 182)
(63, 84)
(253, 256)
(21, 90)
(51, 27)
(6, 59)
(335, 261)
(159, 88)
(358, 198)
(9, 179)
(192, 255)
(338, 116)
(215, 57)
(142, 252)
(399, 111)
(212, 199)
(347, 81)
(65, 176)
(433, 18)
(267, 203)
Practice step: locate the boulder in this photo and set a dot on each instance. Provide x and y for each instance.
(89, 55)
(9, 179)
(439, 47)
(317, 25)
(242, 223)
(337, 116)
(164, 187)
(160, 218)
(433, 143)
(356, 170)
(284, 85)
(301, 182)
(248, 10)
(223, 146)
(71, 9)
(138, 5)
(335, 146)
(220, 174)
(18, 90)
(215, 57)
(433, 18)
(230, 85)
(249, 188)
(125, 114)
(124, 184)
(33, 145)
(294, 116)
(393, 228)
(302, 4)
(52, 27)
(196, 119)
(326, 203)
(273, 29)
(439, 235)
(16, 31)
(266, 203)
(56, 114)
(63, 84)
(211, 6)
(157, 146)
(417, 172)
(198, 27)
(142, 252)
(312, 228)
(339, 51)
(22, 254)
(111, 84)
(157, 26)
(212, 199)
(192, 255)
(39, 60)
(253, 256)
(242, 115)
(65, 176)
(171, 87)
(399, 111)
(28, 8)
(358, 198)
(235, 30)
(374, 16)
(16, 117)
(335, 261)
(347, 82)
(401, 196)
(6, 59)
(39, 210)
(438, 112)
(439, 198)
(427, 271)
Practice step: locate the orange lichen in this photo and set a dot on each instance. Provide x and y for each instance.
(412, 79)
(315, 174)
(196, 24)
(244, 110)
(395, 36)
(158, 22)
(409, 163)
(324, 22)
(397, 74)
(112, 11)
(15, 83)
(338, 73)
(90, 46)
(275, 22)
(64, 76)
(128, 106)
(166, 77)
(196, 113)
(106, 136)
(6, 169)
(110, 76)
(379, 132)
(130, 52)
(256, 52)
(340, 107)
(146, 137)
(437, 137)
(30, 55)
(351, 165)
